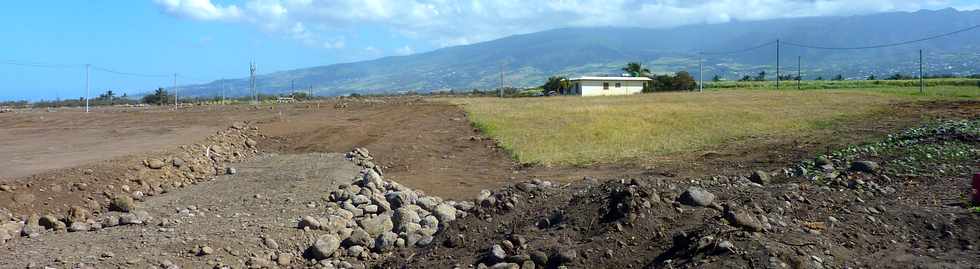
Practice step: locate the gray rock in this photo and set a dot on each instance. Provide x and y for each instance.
(445, 213)
(377, 225)
(385, 242)
(122, 203)
(231, 171)
(497, 253)
(428, 202)
(426, 240)
(372, 178)
(32, 226)
(403, 217)
(111, 221)
(204, 251)
(355, 251)
(309, 221)
(864, 166)
(696, 196)
(155, 164)
(528, 265)
(566, 255)
(370, 209)
(284, 259)
(324, 246)
(178, 162)
(129, 219)
(78, 227)
(359, 237)
(505, 265)
(465, 206)
(401, 198)
(539, 257)
(51, 222)
(743, 220)
(760, 177)
(360, 199)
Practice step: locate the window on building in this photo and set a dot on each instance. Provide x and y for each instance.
(617, 85)
(605, 85)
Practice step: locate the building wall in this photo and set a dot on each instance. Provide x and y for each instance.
(595, 87)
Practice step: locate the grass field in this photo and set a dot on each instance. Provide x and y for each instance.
(944, 87)
(582, 131)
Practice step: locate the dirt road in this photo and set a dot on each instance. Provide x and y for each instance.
(232, 214)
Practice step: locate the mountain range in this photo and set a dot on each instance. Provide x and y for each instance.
(527, 60)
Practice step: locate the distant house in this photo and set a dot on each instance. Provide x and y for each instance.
(604, 86)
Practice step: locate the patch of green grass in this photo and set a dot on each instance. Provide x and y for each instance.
(615, 129)
(953, 88)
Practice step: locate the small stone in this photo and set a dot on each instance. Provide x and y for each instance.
(505, 265)
(155, 164)
(385, 242)
(284, 259)
(122, 203)
(51, 222)
(566, 255)
(231, 171)
(496, 253)
(696, 196)
(760, 177)
(78, 227)
(177, 162)
(864, 166)
(309, 221)
(204, 251)
(77, 214)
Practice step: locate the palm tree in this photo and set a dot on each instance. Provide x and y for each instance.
(636, 69)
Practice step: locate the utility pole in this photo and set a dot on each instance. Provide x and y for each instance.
(700, 72)
(223, 91)
(175, 91)
(921, 86)
(501, 90)
(799, 71)
(86, 87)
(251, 84)
(777, 64)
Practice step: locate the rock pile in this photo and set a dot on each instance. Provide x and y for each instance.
(373, 216)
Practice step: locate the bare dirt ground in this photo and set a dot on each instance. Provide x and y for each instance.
(430, 146)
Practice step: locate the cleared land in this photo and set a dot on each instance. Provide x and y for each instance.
(638, 129)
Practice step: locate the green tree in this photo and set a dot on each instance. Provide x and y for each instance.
(683, 81)
(872, 77)
(636, 69)
(716, 78)
(158, 97)
(839, 77)
(556, 84)
(761, 76)
(819, 78)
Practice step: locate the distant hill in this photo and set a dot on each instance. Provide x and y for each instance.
(530, 58)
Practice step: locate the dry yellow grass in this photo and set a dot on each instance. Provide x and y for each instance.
(577, 130)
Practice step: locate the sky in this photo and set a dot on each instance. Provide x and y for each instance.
(135, 46)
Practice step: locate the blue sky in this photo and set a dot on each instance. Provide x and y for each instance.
(205, 40)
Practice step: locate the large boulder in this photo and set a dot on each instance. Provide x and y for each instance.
(404, 217)
(377, 225)
(445, 213)
(696, 196)
(324, 246)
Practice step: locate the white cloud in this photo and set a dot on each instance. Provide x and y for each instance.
(455, 22)
(406, 50)
(199, 9)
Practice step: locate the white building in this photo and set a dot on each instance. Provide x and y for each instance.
(604, 86)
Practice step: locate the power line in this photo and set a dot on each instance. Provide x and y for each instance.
(107, 70)
(884, 45)
(740, 50)
(41, 65)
